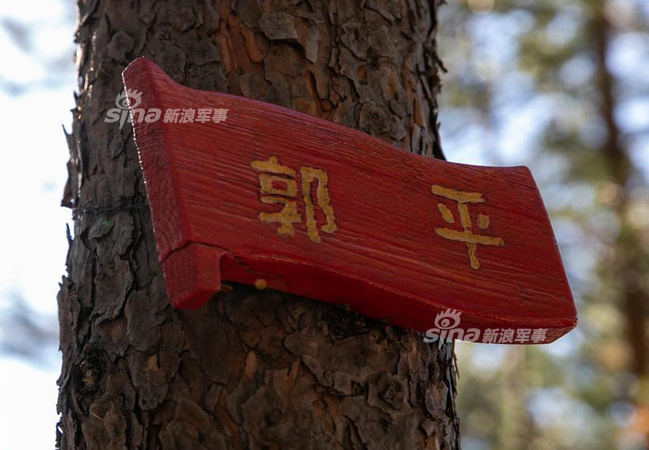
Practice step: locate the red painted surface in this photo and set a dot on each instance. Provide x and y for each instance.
(384, 233)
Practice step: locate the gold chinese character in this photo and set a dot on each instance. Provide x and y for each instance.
(466, 235)
(279, 186)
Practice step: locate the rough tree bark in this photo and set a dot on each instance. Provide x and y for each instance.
(253, 370)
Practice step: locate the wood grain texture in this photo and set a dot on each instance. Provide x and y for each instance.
(413, 236)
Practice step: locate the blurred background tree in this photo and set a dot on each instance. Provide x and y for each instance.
(563, 87)
(559, 85)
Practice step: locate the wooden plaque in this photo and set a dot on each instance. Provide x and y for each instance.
(246, 191)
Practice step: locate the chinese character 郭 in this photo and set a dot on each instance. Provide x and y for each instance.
(278, 185)
(465, 235)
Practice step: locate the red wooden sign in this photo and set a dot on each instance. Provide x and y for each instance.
(250, 192)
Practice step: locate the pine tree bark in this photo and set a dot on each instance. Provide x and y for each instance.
(250, 370)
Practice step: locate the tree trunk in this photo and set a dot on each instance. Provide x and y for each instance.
(628, 260)
(250, 370)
